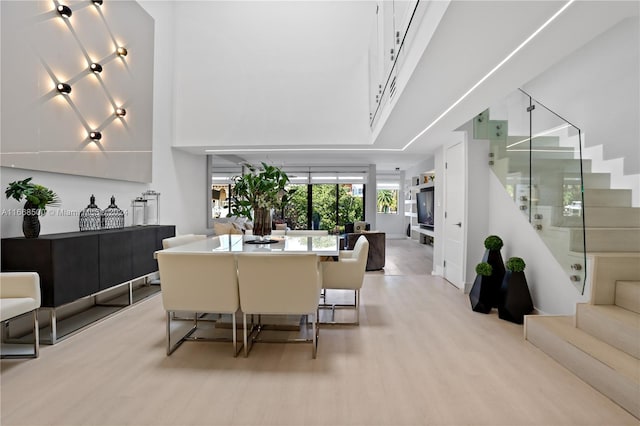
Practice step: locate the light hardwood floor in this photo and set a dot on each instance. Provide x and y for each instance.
(419, 357)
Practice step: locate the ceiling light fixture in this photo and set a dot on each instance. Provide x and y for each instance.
(95, 136)
(121, 112)
(96, 68)
(97, 2)
(64, 11)
(63, 88)
(122, 51)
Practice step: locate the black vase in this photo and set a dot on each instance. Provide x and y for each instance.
(30, 221)
(481, 294)
(494, 258)
(515, 297)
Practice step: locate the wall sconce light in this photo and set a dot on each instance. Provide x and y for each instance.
(97, 2)
(64, 11)
(95, 136)
(97, 68)
(121, 51)
(121, 112)
(63, 88)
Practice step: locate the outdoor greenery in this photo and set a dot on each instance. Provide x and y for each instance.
(350, 208)
(515, 264)
(493, 242)
(387, 201)
(37, 196)
(484, 269)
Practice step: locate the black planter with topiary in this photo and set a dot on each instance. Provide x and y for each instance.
(485, 293)
(515, 297)
(481, 294)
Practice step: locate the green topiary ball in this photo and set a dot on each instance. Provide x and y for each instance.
(484, 269)
(493, 242)
(516, 264)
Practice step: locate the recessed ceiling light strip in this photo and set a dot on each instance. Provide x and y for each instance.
(490, 73)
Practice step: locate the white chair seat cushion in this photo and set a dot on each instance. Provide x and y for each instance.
(12, 307)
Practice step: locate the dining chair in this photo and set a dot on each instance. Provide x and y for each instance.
(346, 274)
(181, 239)
(199, 283)
(20, 295)
(282, 284)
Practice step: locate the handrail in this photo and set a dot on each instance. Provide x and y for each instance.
(542, 177)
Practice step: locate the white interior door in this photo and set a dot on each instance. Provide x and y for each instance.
(454, 226)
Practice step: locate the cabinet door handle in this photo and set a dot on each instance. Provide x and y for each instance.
(459, 224)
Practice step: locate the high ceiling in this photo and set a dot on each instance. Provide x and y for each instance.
(256, 79)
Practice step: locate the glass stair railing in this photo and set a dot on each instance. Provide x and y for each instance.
(537, 155)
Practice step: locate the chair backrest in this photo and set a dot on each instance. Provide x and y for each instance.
(20, 285)
(180, 240)
(278, 284)
(361, 251)
(199, 282)
(298, 232)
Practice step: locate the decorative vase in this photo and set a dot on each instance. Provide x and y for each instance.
(30, 221)
(91, 216)
(516, 299)
(261, 221)
(112, 216)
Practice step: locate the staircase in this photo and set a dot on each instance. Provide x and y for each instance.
(595, 236)
(601, 343)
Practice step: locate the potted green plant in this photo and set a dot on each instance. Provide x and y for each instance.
(37, 199)
(515, 297)
(256, 193)
(480, 295)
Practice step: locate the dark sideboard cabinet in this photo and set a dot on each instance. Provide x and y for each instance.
(74, 265)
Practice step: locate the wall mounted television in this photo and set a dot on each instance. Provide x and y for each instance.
(426, 210)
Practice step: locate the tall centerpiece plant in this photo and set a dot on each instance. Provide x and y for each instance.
(256, 193)
(37, 199)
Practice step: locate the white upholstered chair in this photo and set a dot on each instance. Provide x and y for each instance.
(279, 285)
(346, 274)
(181, 239)
(198, 283)
(20, 295)
(305, 232)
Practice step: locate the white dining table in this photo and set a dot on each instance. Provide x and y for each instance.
(322, 245)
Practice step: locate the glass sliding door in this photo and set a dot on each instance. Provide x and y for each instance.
(296, 211)
(350, 204)
(324, 212)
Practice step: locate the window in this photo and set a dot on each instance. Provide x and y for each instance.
(387, 197)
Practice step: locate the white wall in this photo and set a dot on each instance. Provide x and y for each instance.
(597, 88)
(179, 177)
(284, 73)
(45, 130)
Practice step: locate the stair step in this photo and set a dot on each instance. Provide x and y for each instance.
(611, 371)
(596, 180)
(595, 197)
(538, 141)
(622, 240)
(612, 324)
(628, 295)
(521, 164)
(603, 217)
(552, 153)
